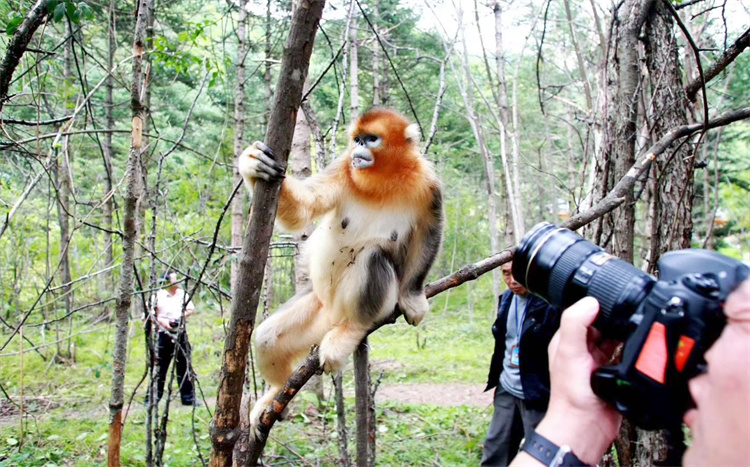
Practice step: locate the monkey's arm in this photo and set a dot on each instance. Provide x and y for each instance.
(300, 201)
(422, 251)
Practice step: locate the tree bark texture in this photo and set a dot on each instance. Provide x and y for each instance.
(622, 78)
(17, 46)
(130, 233)
(242, 446)
(365, 406)
(673, 226)
(293, 73)
(338, 382)
(109, 122)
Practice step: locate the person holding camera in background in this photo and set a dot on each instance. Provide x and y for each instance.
(580, 421)
(172, 340)
(519, 370)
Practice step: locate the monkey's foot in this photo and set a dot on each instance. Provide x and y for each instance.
(331, 358)
(258, 409)
(414, 307)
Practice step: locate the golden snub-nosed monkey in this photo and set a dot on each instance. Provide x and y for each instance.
(380, 229)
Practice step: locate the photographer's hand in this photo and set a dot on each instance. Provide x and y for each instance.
(576, 416)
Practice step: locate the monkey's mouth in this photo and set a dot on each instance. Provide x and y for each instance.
(362, 161)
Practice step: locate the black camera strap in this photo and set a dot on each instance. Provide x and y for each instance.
(550, 454)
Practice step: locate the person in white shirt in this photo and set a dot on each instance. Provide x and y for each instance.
(169, 307)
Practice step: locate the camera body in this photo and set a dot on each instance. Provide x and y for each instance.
(666, 324)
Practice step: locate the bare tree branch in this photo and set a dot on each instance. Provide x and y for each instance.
(728, 57)
(18, 44)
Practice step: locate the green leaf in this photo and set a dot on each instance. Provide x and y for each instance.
(59, 12)
(52, 4)
(86, 11)
(82, 436)
(13, 23)
(12, 441)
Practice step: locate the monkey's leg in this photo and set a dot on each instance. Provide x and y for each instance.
(367, 294)
(281, 339)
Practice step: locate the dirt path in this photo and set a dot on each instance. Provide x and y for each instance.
(449, 394)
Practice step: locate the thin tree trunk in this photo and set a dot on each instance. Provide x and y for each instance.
(239, 133)
(293, 73)
(125, 291)
(242, 447)
(487, 160)
(514, 228)
(338, 382)
(64, 207)
(300, 165)
(108, 207)
(342, 95)
(354, 69)
(365, 406)
(267, 90)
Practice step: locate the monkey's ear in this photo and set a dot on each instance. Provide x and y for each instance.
(412, 133)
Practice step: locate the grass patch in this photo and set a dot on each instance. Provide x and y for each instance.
(67, 415)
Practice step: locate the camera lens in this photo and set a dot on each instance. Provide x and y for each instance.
(562, 267)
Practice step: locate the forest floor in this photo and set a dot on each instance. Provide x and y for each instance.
(445, 394)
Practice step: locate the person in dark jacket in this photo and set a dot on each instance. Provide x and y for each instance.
(519, 370)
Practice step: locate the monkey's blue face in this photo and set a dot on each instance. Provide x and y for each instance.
(362, 156)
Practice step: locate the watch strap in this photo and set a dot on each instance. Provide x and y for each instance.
(550, 454)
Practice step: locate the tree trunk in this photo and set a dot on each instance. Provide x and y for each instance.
(108, 207)
(64, 188)
(338, 383)
(239, 134)
(672, 226)
(242, 447)
(365, 406)
(267, 90)
(125, 291)
(255, 246)
(514, 223)
(467, 93)
(301, 167)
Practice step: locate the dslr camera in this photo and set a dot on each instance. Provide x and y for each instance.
(666, 324)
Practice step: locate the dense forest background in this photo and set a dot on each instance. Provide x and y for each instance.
(121, 122)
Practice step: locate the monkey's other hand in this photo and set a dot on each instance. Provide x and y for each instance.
(414, 307)
(257, 162)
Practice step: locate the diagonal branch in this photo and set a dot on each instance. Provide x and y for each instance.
(18, 44)
(720, 65)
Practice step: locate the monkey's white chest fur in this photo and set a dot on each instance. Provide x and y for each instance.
(339, 249)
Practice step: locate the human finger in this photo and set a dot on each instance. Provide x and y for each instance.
(575, 324)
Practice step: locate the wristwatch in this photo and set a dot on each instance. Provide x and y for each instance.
(550, 454)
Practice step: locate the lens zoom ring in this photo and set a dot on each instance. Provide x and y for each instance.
(565, 267)
(609, 282)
